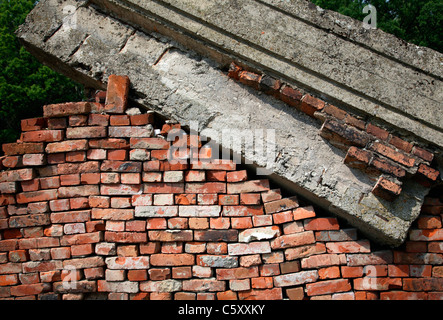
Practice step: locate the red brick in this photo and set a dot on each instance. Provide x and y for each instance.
(142, 119)
(20, 148)
(117, 94)
(358, 158)
(237, 273)
(422, 153)
(303, 213)
(250, 79)
(400, 144)
(348, 246)
(429, 222)
(248, 186)
(112, 214)
(119, 120)
(386, 189)
(428, 172)
(335, 112)
(234, 71)
(78, 120)
(403, 295)
(178, 259)
(327, 287)
(241, 211)
(393, 154)
(342, 135)
(226, 165)
(30, 289)
(125, 237)
(110, 143)
(170, 236)
(351, 272)
(42, 136)
(291, 96)
(236, 176)
(387, 167)
(205, 187)
(322, 224)
(67, 146)
(66, 109)
(282, 217)
(271, 195)
(120, 166)
(164, 187)
(377, 131)
(281, 205)
(149, 143)
(323, 260)
(96, 119)
(86, 132)
(36, 196)
(310, 104)
(266, 294)
(57, 123)
(33, 124)
(78, 191)
(293, 240)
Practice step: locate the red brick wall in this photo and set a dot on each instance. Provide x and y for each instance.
(91, 206)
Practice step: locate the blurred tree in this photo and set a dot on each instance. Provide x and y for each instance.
(416, 21)
(25, 84)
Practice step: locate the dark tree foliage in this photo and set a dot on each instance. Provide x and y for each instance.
(25, 84)
(415, 21)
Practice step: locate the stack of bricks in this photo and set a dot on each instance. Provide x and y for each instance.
(384, 156)
(91, 207)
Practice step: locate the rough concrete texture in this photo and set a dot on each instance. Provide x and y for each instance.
(328, 54)
(88, 46)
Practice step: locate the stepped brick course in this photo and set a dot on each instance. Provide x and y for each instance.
(90, 207)
(385, 157)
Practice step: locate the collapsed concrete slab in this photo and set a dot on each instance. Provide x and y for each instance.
(175, 53)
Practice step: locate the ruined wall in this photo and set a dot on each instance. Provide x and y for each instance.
(90, 208)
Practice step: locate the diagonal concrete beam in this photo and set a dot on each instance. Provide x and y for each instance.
(88, 45)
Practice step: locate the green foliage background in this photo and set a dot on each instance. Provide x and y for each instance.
(25, 84)
(416, 21)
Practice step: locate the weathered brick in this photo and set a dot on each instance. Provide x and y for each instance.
(242, 211)
(67, 146)
(327, 287)
(386, 189)
(177, 259)
(117, 94)
(317, 224)
(86, 132)
(217, 261)
(199, 211)
(29, 221)
(293, 240)
(237, 273)
(430, 173)
(17, 175)
(374, 258)
(204, 285)
(163, 187)
(30, 289)
(323, 260)
(248, 186)
(348, 246)
(386, 166)
(170, 235)
(393, 154)
(294, 279)
(342, 136)
(33, 124)
(265, 294)
(156, 211)
(236, 249)
(37, 196)
(162, 286)
(66, 109)
(216, 235)
(20, 148)
(377, 131)
(78, 191)
(357, 158)
(43, 136)
(149, 143)
(205, 187)
(128, 263)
